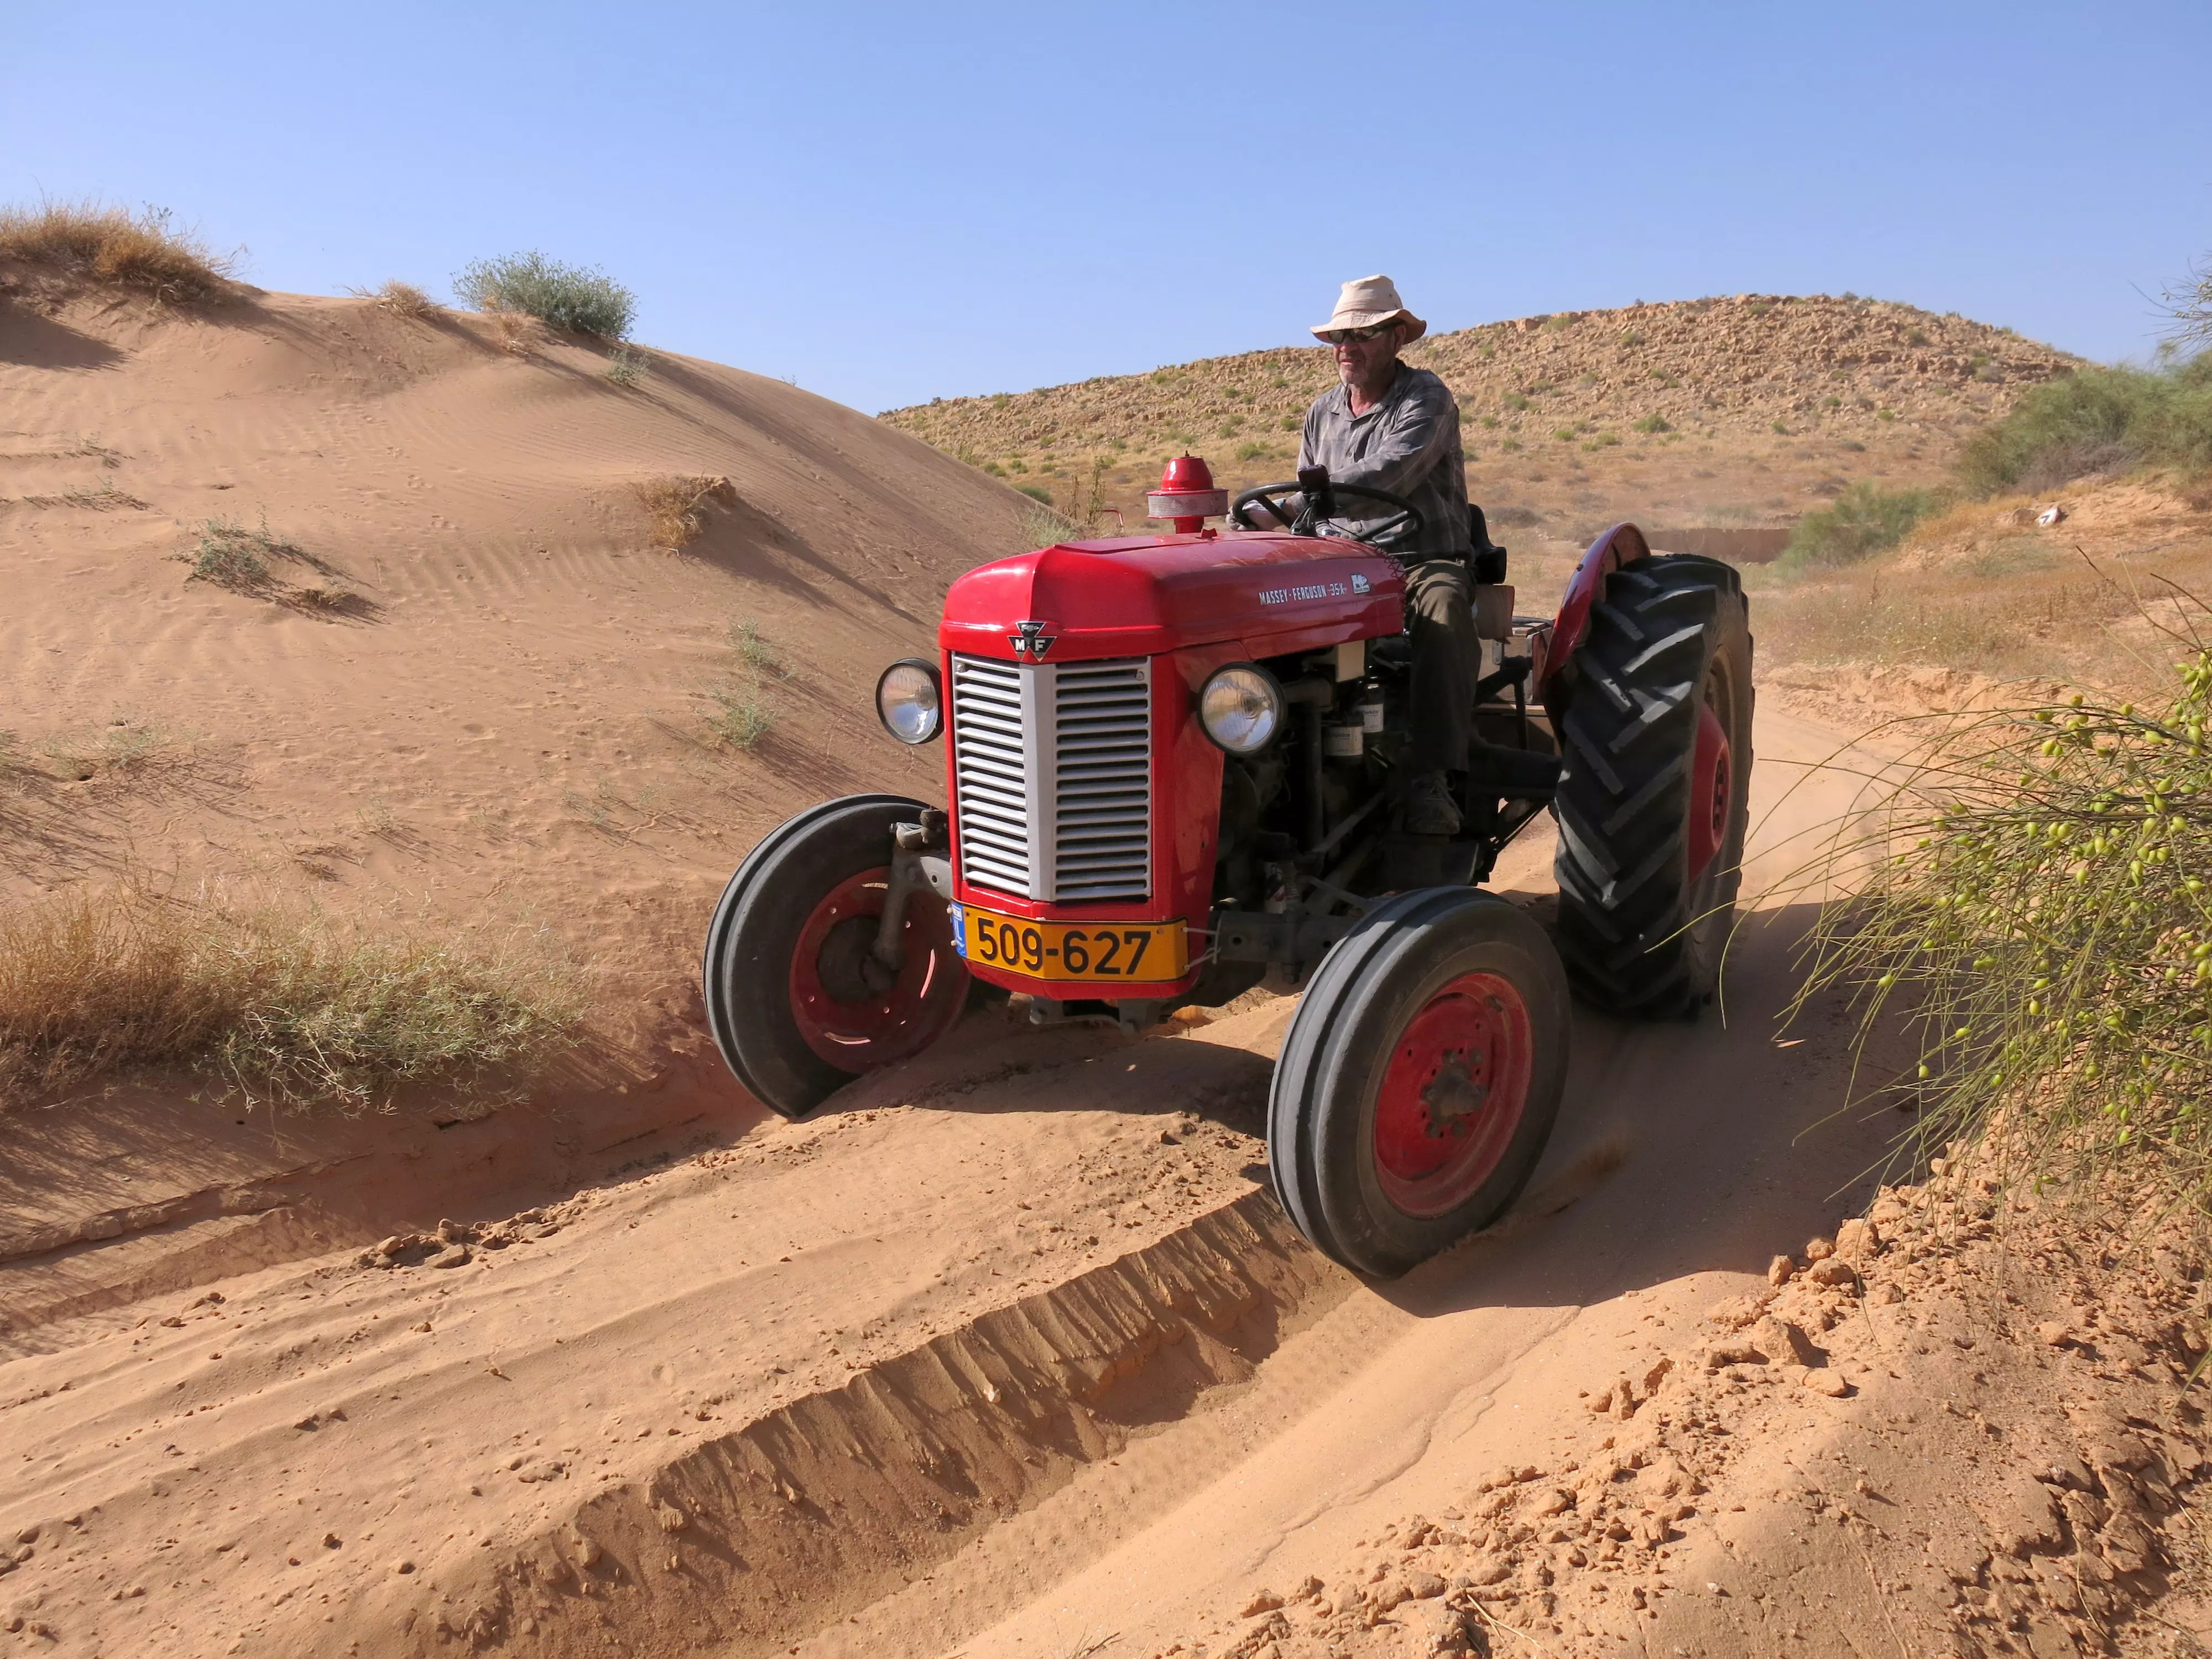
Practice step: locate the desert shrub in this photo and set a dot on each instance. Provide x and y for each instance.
(754, 650)
(1044, 525)
(145, 251)
(278, 1005)
(740, 716)
(1037, 493)
(626, 366)
(2189, 304)
(1653, 423)
(1862, 520)
(231, 556)
(587, 302)
(674, 506)
(2035, 917)
(2099, 420)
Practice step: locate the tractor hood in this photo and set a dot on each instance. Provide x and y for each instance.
(1142, 595)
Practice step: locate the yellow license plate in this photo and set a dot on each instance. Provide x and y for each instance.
(1124, 953)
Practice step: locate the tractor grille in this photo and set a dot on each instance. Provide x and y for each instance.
(990, 770)
(1052, 772)
(1101, 829)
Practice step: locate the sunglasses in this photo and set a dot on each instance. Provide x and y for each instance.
(1337, 337)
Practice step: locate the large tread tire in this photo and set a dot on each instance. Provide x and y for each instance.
(1324, 1159)
(763, 914)
(1640, 935)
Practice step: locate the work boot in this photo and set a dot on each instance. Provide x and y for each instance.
(1430, 808)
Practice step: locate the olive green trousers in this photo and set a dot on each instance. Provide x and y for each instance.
(1447, 661)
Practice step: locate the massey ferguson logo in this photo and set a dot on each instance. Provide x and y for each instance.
(1030, 641)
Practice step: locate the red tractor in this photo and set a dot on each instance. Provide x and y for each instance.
(1175, 772)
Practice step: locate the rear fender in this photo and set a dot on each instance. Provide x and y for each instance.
(1620, 545)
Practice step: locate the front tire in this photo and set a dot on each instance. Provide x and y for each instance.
(1420, 1079)
(1655, 787)
(785, 976)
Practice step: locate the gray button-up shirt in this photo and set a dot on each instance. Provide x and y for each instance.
(1408, 444)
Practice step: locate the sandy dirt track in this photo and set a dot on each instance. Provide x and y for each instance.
(1005, 1348)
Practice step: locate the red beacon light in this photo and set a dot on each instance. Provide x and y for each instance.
(1187, 495)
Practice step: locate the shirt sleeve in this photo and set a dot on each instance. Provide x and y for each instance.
(1419, 436)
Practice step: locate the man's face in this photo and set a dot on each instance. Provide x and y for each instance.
(1363, 354)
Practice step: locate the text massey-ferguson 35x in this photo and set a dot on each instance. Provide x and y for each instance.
(1175, 770)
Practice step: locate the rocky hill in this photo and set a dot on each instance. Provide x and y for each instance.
(1724, 412)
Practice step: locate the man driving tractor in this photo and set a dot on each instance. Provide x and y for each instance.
(1159, 792)
(1390, 426)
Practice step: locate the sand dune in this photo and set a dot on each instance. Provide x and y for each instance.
(473, 686)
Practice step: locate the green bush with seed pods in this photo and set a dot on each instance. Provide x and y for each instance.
(2036, 917)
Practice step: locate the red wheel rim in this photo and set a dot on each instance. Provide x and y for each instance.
(1711, 788)
(1453, 1095)
(849, 1024)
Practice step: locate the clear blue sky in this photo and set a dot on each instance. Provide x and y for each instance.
(888, 203)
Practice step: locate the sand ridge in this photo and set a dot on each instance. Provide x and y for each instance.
(455, 1398)
(496, 708)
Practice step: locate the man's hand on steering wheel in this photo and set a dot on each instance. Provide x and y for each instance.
(1393, 533)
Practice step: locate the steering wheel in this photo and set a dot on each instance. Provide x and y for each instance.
(1399, 527)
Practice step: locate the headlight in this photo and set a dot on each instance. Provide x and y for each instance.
(910, 701)
(1241, 707)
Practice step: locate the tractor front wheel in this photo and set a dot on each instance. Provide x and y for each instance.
(1420, 1079)
(797, 1005)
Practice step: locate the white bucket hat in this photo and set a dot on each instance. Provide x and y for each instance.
(1367, 300)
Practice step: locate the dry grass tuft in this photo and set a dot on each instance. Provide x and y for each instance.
(231, 556)
(517, 332)
(1044, 525)
(403, 300)
(281, 1006)
(741, 714)
(145, 250)
(674, 505)
(627, 366)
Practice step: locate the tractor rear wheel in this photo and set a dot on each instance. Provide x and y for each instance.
(1420, 1079)
(1655, 787)
(797, 1005)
